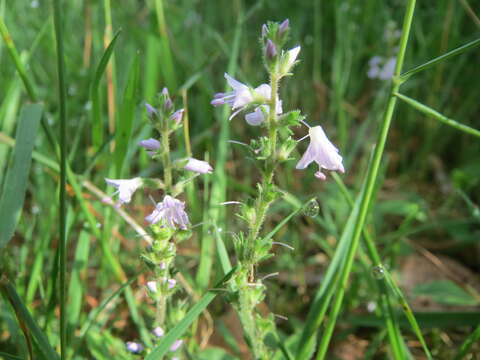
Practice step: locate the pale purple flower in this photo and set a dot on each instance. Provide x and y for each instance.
(150, 144)
(198, 166)
(380, 68)
(323, 152)
(171, 212)
(134, 347)
(158, 332)
(125, 188)
(242, 96)
(271, 49)
(177, 116)
(388, 69)
(176, 345)
(152, 286)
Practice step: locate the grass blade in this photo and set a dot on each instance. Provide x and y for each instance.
(62, 96)
(189, 318)
(97, 123)
(219, 179)
(13, 195)
(325, 292)
(126, 116)
(436, 115)
(460, 50)
(26, 320)
(12, 50)
(469, 341)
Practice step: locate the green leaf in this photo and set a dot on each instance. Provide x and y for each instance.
(325, 292)
(126, 116)
(436, 115)
(13, 194)
(445, 292)
(97, 123)
(26, 321)
(189, 318)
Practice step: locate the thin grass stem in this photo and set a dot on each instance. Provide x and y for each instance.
(62, 94)
(371, 179)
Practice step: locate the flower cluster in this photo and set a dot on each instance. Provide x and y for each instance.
(263, 108)
(169, 219)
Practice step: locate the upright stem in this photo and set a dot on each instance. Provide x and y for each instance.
(370, 184)
(262, 204)
(58, 21)
(167, 165)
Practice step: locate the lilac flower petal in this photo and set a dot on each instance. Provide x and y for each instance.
(177, 116)
(125, 187)
(322, 151)
(171, 212)
(307, 158)
(198, 166)
(151, 110)
(283, 27)
(255, 118)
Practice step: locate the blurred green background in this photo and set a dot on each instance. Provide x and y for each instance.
(425, 219)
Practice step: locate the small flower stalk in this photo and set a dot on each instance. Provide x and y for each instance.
(264, 109)
(168, 221)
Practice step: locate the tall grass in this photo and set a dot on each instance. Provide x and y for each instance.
(411, 188)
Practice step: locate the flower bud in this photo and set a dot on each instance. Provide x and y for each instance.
(150, 144)
(177, 116)
(284, 28)
(270, 50)
(167, 104)
(151, 111)
(264, 30)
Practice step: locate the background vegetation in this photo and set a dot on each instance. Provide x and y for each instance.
(425, 219)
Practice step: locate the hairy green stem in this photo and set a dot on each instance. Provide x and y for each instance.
(262, 204)
(167, 164)
(370, 185)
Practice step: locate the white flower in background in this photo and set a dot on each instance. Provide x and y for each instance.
(198, 166)
(158, 332)
(242, 96)
(380, 68)
(134, 347)
(323, 152)
(176, 345)
(125, 188)
(152, 286)
(388, 69)
(171, 212)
